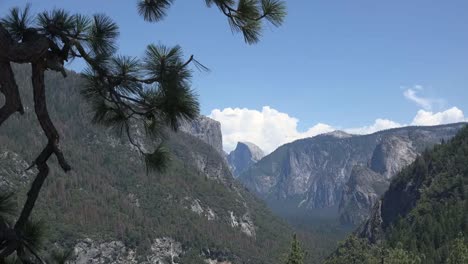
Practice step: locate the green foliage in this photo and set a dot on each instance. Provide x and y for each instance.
(458, 251)
(439, 212)
(17, 21)
(102, 35)
(359, 251)
(61, 256)
(354, 251)
(7, 205)
(158, 160)
(244, 16)
(296, 256)
(153, 11)
(400, 256)
(33, 233)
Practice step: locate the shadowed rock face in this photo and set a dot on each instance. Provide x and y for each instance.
(360, 193)
(314, 172)
(245, 155)
(366, 185)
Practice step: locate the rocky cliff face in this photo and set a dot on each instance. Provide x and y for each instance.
(360, 193)
(245, 155)
(206, 129)
(315, 172)
(393, 154)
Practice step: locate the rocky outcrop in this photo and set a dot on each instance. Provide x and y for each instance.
(163, 251)
(198, 208)
(213, 256)
(206, 129)
(314, 172)
(372, 228)
(245, 155)
(13, 170)
(245, 223)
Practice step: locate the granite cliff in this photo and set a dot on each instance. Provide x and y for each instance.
(321, 172)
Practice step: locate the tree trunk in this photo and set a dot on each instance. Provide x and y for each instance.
(10, 91)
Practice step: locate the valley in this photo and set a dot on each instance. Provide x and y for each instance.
(327, 133)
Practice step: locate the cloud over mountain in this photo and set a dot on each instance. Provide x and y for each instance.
(270, 128)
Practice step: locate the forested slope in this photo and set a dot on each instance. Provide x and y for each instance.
(423, 217)
(109, 196)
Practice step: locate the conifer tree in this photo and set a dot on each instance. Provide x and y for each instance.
(152, 92)
(296, 256)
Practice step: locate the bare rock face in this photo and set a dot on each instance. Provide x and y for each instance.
(360, 193)
(393, 154)
(245, 155)
(366, 185)
(245, 223)
(206, 129)
(317, 172)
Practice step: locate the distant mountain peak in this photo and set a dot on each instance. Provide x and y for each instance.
(338, 134)
(245, 155)
(256, 151)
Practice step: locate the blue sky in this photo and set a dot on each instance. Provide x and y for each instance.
(340, 63)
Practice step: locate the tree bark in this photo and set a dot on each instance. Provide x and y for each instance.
(40, 107)
(9, 88)
(33, 193)
(24, 52)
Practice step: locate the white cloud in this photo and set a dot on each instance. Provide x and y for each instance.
(270, 128)
(426, 103)
(379, 124)
(427, 118)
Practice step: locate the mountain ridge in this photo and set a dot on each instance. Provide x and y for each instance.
(314, 171)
